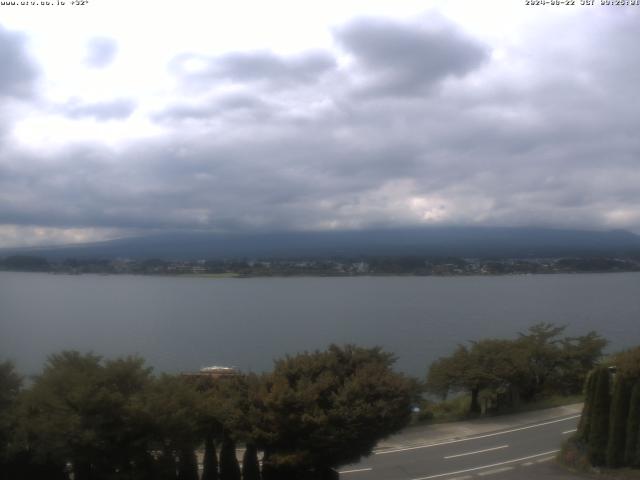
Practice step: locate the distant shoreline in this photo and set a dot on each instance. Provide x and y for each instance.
(223, 276)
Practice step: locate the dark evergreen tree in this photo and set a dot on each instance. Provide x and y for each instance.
(589, 392)
(599, 419)
(632, 449)
(250, 465)
(618, 414)
(210, 462)
(166, 467)
(229, 468)
(187, 465)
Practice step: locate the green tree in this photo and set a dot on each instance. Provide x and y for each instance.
(210, 461)
(174, 410)
(491, 365)
(589, 392)
(10, 385)
(599, 418)
(188, 464)
(324, 409)
(83, 411)
(229, 468)
(632, 448)
(579, 355)
(538, 362)
(250, 465)
(541, 347)
(618, 415)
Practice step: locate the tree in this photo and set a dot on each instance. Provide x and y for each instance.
(541, 347)
(10, 384)
(83, 411)
(578, 357)
(627, 362)
(188, 464)
(618, 422)
(324, 409)
(632, 449)
(210, 461)
(229, 468)
(599, 418)
(250, 465)
(174, 409)
(491, 365)
(507, 371)
(589, 392)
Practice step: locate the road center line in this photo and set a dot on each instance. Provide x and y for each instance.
(356, 470)
(494, 471)
(487, 466)
(477, 451)
(570, 431)
(477, 437)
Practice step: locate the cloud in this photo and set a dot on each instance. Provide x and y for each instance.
(18, 72)
(109, 110)
(251, 67)
(531, 137)
(100, 52)
(405, 58)
(229, 104)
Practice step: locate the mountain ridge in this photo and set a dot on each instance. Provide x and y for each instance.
(482, 242)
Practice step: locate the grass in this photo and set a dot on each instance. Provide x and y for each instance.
(457, 409)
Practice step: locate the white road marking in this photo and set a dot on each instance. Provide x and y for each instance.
(356, 470)
(486, 466)
(385, 452)
(570, 431)
(466, 477)
(477, 451)
(497, 470)
(527, 464)
(545, 459)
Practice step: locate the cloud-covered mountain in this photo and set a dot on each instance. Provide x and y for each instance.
(388, 122)
(437, 242)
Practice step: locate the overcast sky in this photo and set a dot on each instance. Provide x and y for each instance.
(121, 118)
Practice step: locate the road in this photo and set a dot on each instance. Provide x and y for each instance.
(520, 448)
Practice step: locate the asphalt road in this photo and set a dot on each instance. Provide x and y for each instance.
(499, 454)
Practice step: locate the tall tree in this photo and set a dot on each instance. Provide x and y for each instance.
(589, 393)
(618, 414)
(229, 468)
(210, 461)
(250, 465)
(324, 409)
(632, 448)
(599, 418)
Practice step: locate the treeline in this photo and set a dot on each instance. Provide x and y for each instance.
(88, 418)
(500, 374)
(339, 266)
(609, 430)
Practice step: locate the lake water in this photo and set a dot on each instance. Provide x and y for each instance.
(181, 324)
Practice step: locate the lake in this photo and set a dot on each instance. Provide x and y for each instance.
(182, 324)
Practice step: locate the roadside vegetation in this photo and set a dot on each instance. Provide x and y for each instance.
(88, 418)
(540, 368)
(608, 435)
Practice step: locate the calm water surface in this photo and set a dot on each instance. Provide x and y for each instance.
(185, 323)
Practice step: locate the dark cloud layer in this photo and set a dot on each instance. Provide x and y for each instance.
(234, 104)
(17, 71)
(545, 138)
(257, 66)
(404, 58)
